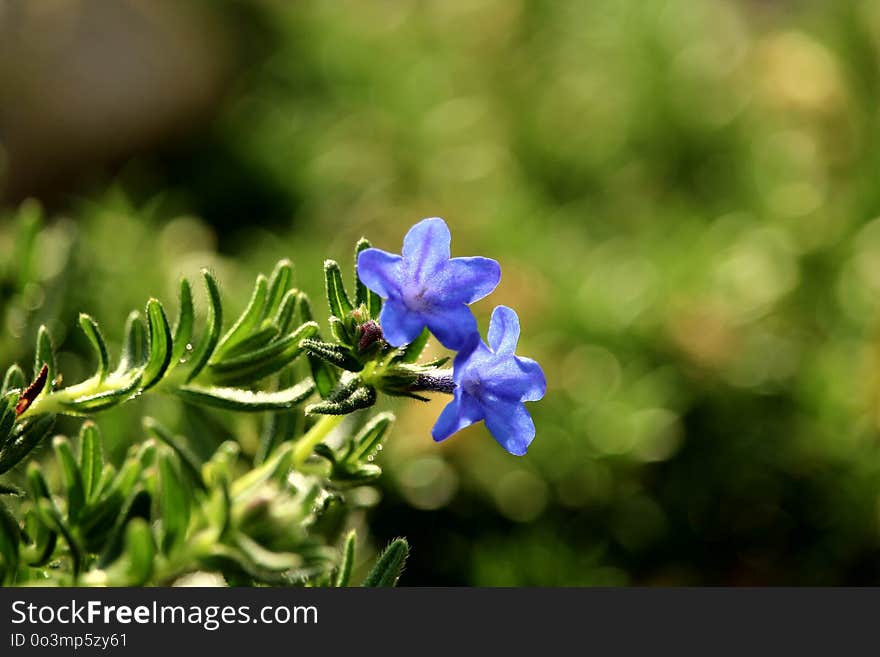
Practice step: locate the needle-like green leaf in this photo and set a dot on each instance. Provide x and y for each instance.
(160, 345)
(368, 438)
(93, 333)
(284, 317)
(236, 399)
(45, 356)
(91, 459)
(390, 564)
(72, 478)
(343, 575)
(256, 340)
(174, 503)
(38, 552)
(134, 346)
(139, 552)
(279, 282)
(340, 304)
(202, 353)
(248, 320)
(8, 403)
(361, 397)
(184, 326)
(256, 365)
(14, 378)
(335, 354)
(26, 435)
(92, 403)
(324, 375)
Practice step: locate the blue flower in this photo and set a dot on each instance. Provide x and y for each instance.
(492, 384)
(425, 287)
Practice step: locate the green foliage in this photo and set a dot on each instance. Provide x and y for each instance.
(390, 564)
(217, 372)
(166, 512)
(346, 564)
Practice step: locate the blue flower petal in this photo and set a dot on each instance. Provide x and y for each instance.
(379, 271)
(503, 330)
(456, 415)
(534, 375)
(502, 376)
(455, 327)
(426, 247)
(511, 425)
(471, 279)
(400, 326)
(497, 382)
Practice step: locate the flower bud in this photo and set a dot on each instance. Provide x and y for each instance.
(369, 333)
(407, 380)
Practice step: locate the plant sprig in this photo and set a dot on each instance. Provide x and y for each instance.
(164, 513)
(217, 371)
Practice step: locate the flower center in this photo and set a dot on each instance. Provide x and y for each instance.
(473, 386)
(418, 300)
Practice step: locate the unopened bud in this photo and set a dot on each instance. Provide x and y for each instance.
(369, 333)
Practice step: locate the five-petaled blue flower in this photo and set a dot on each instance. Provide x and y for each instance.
(492, 384)
(425, 287)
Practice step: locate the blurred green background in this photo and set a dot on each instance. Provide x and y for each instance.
(684, 198)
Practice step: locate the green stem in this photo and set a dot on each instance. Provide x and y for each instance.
(316, 434)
